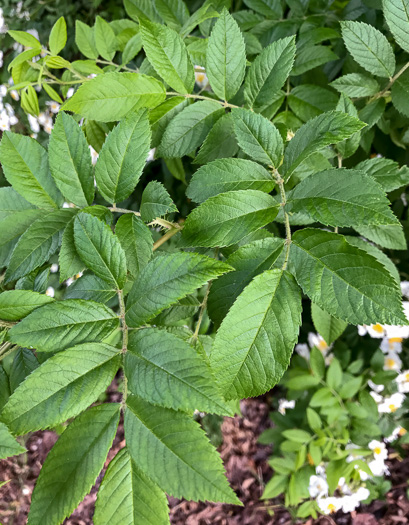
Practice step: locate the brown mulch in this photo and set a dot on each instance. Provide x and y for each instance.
(247, 470)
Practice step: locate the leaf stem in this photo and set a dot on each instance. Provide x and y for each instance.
(124, 349)
(6, 350)
(280, 182)
(201, 97)
(201, 313)
(122, 210)
(391, 82)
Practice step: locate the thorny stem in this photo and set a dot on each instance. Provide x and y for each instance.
(173, 231)
(124, 329)
(200, 97)
(280, 182)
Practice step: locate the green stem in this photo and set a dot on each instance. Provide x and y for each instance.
(122, 210)
(391, 82)
(124, 349)
(8, 350)
(173, 231)
(201, 313)
(280, 182)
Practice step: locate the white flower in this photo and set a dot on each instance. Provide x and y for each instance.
(329, 505)
(349, 503)
(378, 467)
(34, 124)
(70, 92)
(404, 286)
(403, 382)
(151, 155)
(54, 268)
(14, 94)
(391, 344)
(3, 27)
(290, 135)
(200, 77)
(42, 118)
(375, 387)
(50, 291)
(397, 433)
(303, 350)
(379, 449)
(283, 404)
(94, 155)
(376, 397)
(363, 475)
(3, 90)
(392, 362)
(317, 341)
(320, 470)
(1, 58)
(376, 331)
(362, 494)
(318, 486)
(54, 106)
(391, 403)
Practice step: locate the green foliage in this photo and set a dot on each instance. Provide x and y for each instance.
(182, 250)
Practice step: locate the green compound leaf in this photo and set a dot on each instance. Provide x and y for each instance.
(24, 363)
(386, 172)
(341, 197)
(188, 129)
(254, 343)
(128, 497)
(112, 96)
(70, 161)
(248, 261)
(73, 465)
(220, 143)
(369, 47)
(156, 201)
(258, 137)
(223, 175)
(165, 370)
(85, 39)
(173, 12)
(61, 388)
(269, 71)
(59, 325)
(343, 280)
(167, 53)
(225, 57)
(386, 235)
(330, 328)
(25, 166)
(100, 249)
(105, 40)
(89, 286)
(38, 243)
(8, 445)
(329, 128)
(228, 217)
(136, 241)
(165, 280)
(16, 304)
(400, 93)
(396, 14)
(123, 157)
(58, 36)
(356, 85)
(174, 451)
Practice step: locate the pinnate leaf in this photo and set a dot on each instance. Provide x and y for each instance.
(59, 325)
(165, 370)
(16, 304)
(128, 497)
(73, 465)
(396, 14)
(225, 57)
(156, 201)
(112, 96)
(166, 279)
(123, 157)
(136, 241)
(62, 387)
(254, 343)
(228, 217)
(343, 280)
(100, 249)
(8, 445)
(174, 452)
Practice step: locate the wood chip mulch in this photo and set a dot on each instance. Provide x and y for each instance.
(247, 469)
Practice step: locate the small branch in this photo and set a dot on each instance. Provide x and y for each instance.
(6, 324)
(166, 237)
(200, 97)
(124, 349)
(391, 82)
(123, 210)
(280, 182)
(7, 349)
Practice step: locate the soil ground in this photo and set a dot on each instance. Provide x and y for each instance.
(247, 470)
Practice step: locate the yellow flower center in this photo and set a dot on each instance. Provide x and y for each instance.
(310, 460)
(322, 345)
(390, 363)
(395, 339)
(402, 431)
(377, 328)
(393, 408)
(407, 376)
(200, 77)
(332, 508)
(377, 450)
